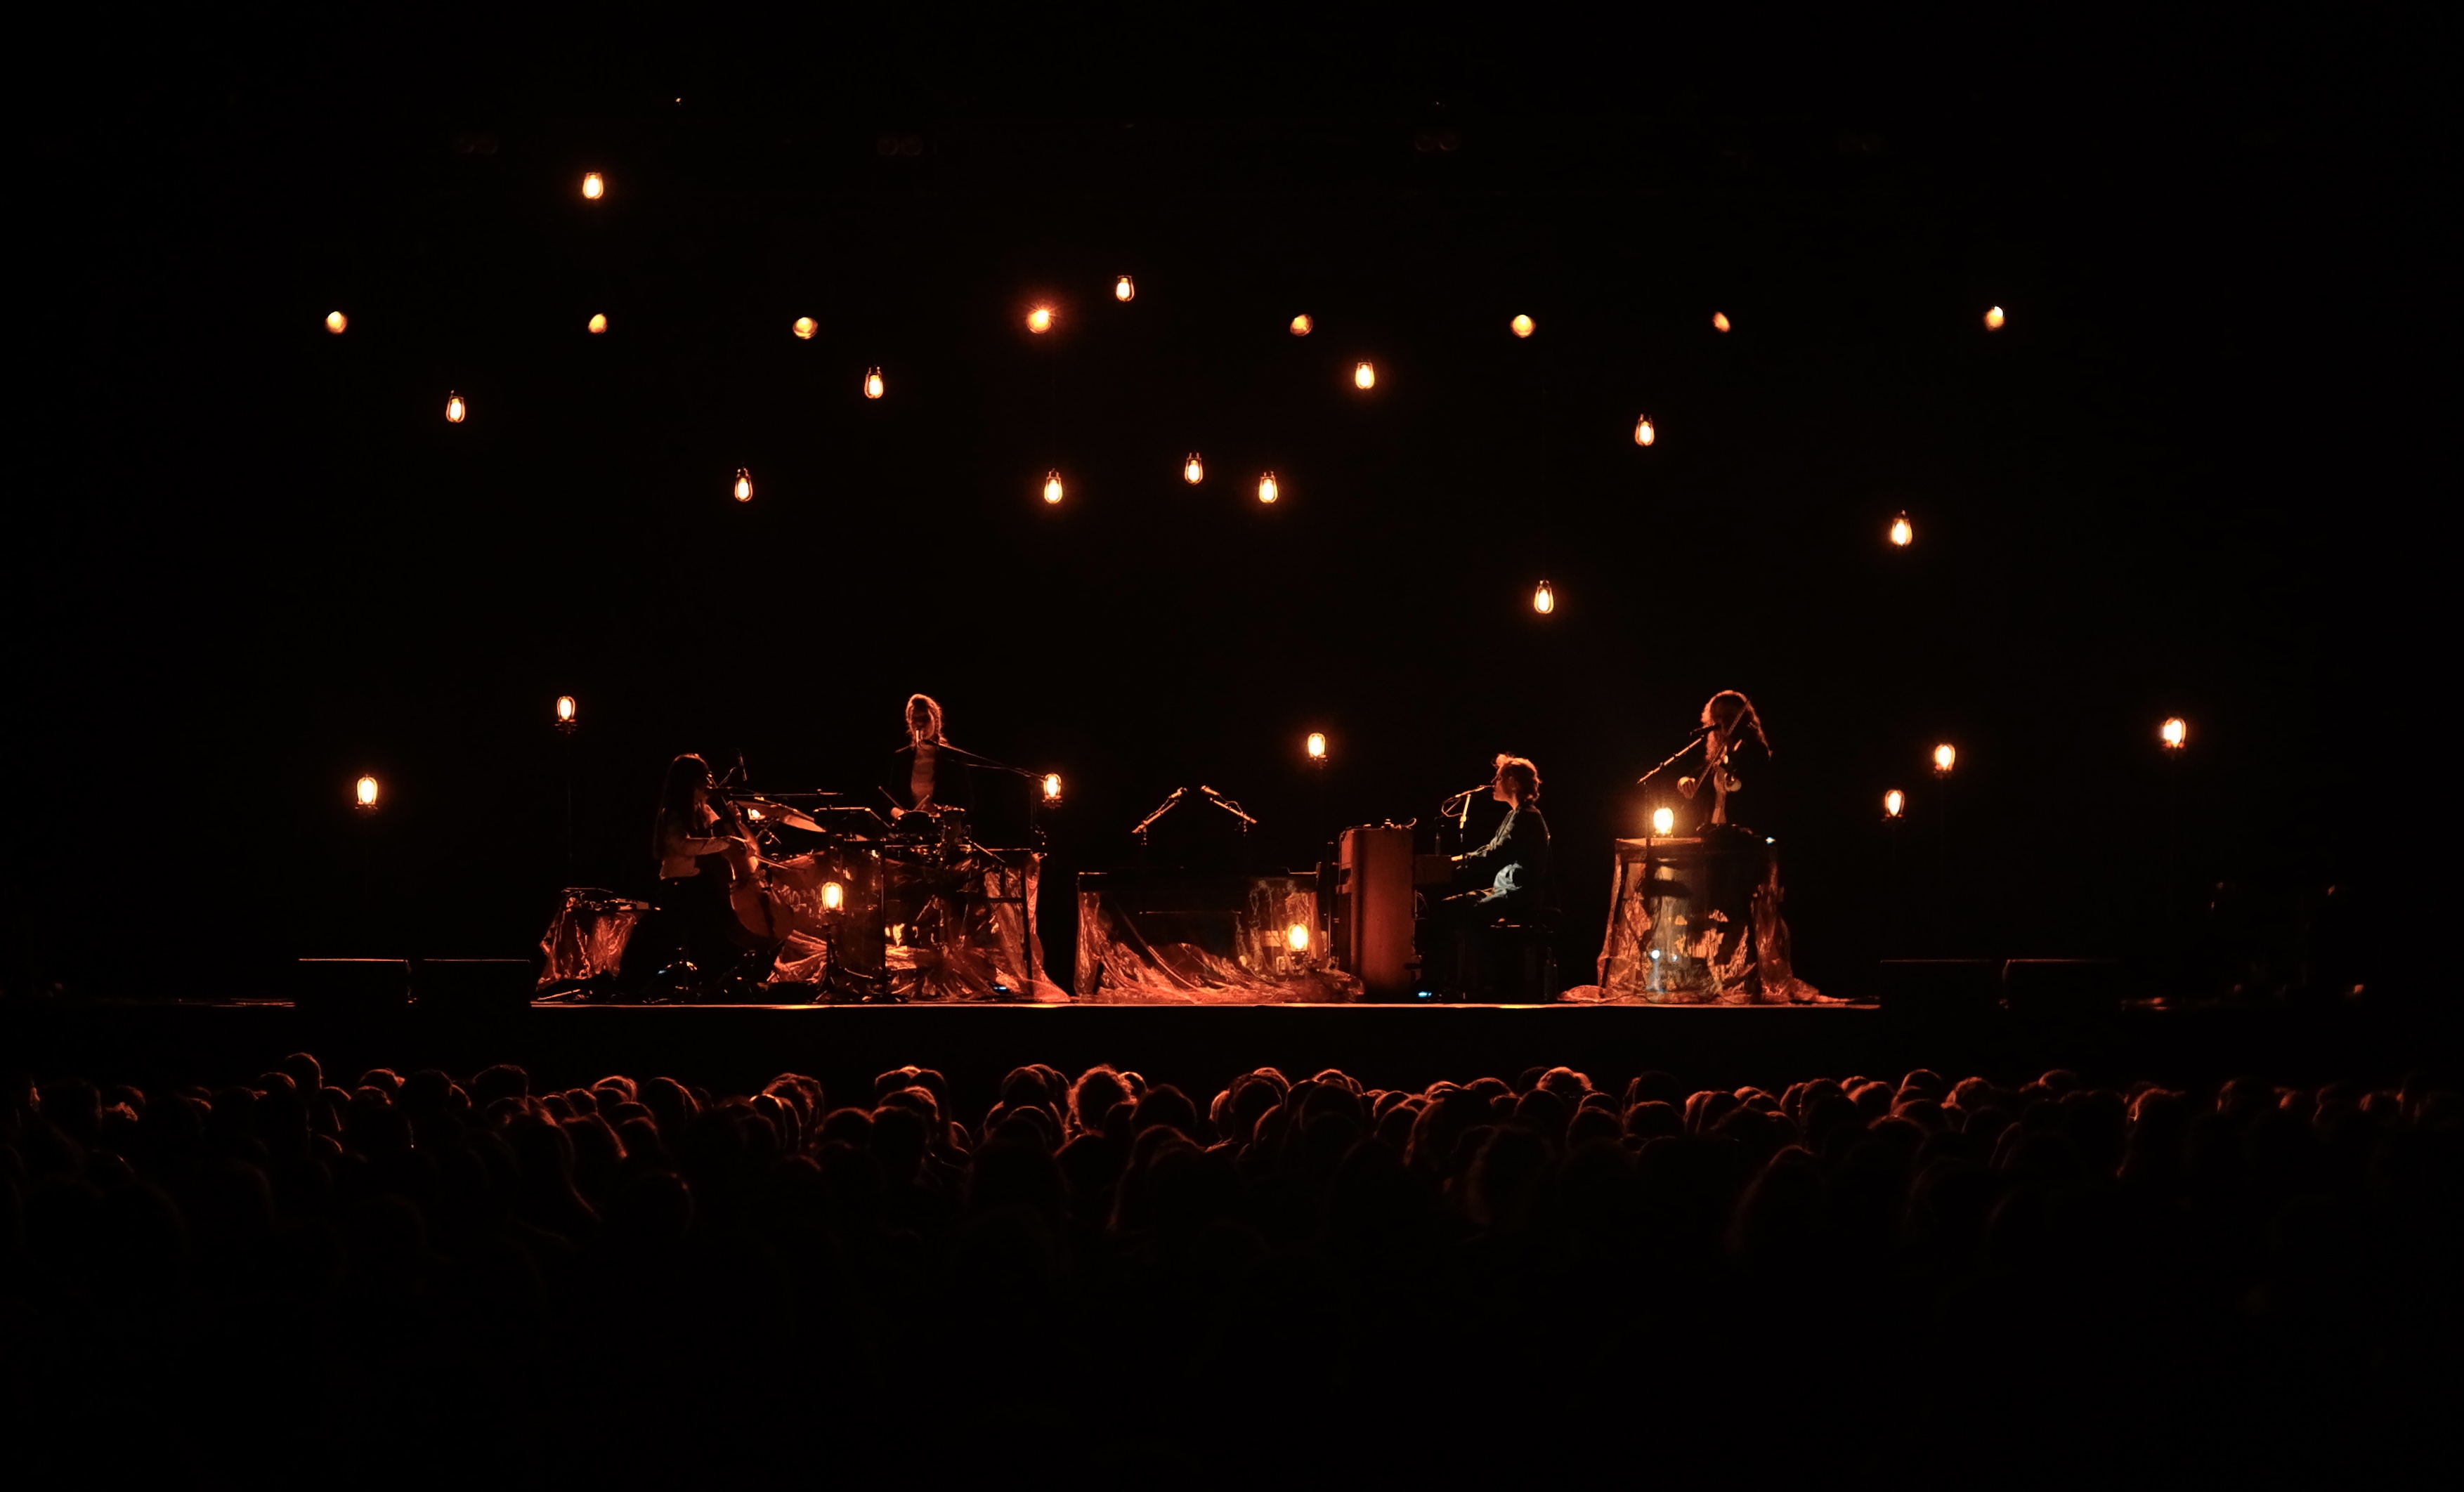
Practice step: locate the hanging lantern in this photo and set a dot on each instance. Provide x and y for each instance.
(1945, 758)
(1522, 325)
(336, 322)
(455, 408)
(1544, 600)
(1643, 433)
(1300, 324)
(1902, 532)
(1718, 320)
(833, 896)
(2174, 733)
(1894, 804)
(1051, 789)
(1993, 319)
(1364, 376)
(743, 485)
(1193, 470)
(593, 185)
(1296, 937)
(1051, 487)
(1663, 821)
(872, 384)
(566, 713)
(363, 795)
(598, 324)
(1316, 746)
(804, 328)
(1267, 490)
(1040, 320)
(1125, 290)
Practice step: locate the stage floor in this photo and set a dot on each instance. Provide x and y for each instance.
(737, 1047)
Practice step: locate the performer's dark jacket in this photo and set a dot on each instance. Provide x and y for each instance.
(1516, 861)
(952, 783)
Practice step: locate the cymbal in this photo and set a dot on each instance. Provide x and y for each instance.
(778, 813)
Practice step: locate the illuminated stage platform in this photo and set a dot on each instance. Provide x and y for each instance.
(1197, 1047)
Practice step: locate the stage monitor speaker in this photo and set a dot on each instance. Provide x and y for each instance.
(1940, 989)
(465, 986)
(357, 985)
(2062, 986)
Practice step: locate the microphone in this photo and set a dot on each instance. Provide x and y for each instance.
(1468, 792)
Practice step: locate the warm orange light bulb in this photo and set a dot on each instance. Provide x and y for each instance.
(564, 710)
(1718, 320)
(1663, 821)
(1300, 324)
(804, 328)
(1051, 487)
(1522, 325)
(1945, 758)
(1364, 376)
(365, 791)
(593, 185)
(744, 485)
(454, 409)
(1040, 320)
(1644, 431)
(1894, 804)
(833, 896)
(598, 324)
(336, 322)
(2174, 733)
(1193, 470)
(1125, 290)
(1902, 532)
(1267, 490)
(1296, 937)
(1544, 598)
(1993, 319)
(1053, 787)
(1316, 745)
(872, 384)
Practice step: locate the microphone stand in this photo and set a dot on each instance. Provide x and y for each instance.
(1139, 833)
(1670, 760)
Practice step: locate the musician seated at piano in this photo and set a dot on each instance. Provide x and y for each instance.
(930, 773)
(1735, 754)
(700, 851)
(1515, 860)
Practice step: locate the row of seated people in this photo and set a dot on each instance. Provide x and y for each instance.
(1102, 1275)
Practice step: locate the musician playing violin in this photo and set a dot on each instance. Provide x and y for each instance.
(1734, 751)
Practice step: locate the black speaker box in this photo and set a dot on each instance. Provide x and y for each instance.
(1941, 988)
(351, 984)
(474, 985)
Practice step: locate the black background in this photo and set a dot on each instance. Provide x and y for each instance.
(250, 559)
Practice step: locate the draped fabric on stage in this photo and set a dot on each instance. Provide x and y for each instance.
(587, 938)
(934, 931)
(1697, 921)
(1203, 941)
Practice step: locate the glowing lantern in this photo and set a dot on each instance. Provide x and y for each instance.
(598, 324)
(1718, 320)
(1193, 470)
(1316, 746)
(593, 185)
(1945, 756)
(364, 795)
(1522, 325)
(2174, 733)
(1364, 376)
(1894, 804)
(1902, 532)
(744, 485)
(1125, 290)
(1267, 490)
(1544, 600)
(336, 322)
(1993, 319)
(872, 384)
(1663, 821)
(833, 896)
(455, 408)
(1053, 787)
(1040, 320)
(1300, 324)
(1643, 433)
(1051, 487)
(565, 720)
(804, 328)
(1296, 937)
